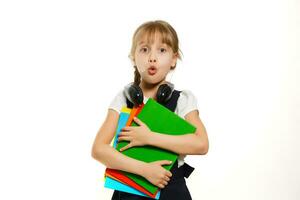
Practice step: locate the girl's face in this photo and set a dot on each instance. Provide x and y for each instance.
(154, 61)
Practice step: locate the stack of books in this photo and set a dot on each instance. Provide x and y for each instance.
(158, 119)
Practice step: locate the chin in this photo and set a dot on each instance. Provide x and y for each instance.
(152, 81)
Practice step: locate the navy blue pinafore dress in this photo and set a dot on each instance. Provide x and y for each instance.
(176, 188)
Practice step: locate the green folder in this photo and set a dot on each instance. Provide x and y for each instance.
(161, 120)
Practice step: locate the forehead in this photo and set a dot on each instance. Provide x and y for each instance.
(150, 38)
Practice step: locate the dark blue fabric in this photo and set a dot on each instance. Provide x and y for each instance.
(176, 188)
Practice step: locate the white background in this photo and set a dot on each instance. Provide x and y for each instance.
(62, 62)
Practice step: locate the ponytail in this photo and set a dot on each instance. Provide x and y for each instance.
(137, 76)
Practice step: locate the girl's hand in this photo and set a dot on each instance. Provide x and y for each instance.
(136, 135)
(156, 174)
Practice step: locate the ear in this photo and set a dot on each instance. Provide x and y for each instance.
(174, 60)
(132, 60)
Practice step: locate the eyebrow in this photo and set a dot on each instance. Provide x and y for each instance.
(143, 42)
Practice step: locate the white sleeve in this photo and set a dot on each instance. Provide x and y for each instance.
(118, 102)
(186, 103)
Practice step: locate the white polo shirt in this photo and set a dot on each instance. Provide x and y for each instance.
(186, 103)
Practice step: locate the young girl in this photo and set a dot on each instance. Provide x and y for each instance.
(154, 54)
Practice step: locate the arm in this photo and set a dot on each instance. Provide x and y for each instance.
(104, 153)
(193, 143)
(110, 157)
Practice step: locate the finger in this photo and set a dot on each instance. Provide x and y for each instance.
(161, 185)
(138, 121)
(168, 173)
(167, 178)
(126, 147)
(123, 134)
(164, 183)
(126, 128)
(164, 162)
(123, 138)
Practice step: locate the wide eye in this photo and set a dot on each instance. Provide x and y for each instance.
(162, 50)
(144, 49)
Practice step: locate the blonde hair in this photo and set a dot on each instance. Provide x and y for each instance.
(148, 30)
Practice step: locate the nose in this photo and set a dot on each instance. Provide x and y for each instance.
(152, 58)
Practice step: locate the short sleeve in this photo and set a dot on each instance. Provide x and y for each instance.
(186, 103)
(118, 102)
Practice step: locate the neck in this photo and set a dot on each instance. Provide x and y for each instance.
(149, 89)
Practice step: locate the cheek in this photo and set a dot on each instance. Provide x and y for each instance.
(165, 62)
(140, 62)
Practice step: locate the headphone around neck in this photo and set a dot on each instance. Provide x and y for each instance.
(135, 94)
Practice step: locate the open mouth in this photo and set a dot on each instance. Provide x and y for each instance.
(152, 70)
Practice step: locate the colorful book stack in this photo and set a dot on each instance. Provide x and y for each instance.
(159, 119)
